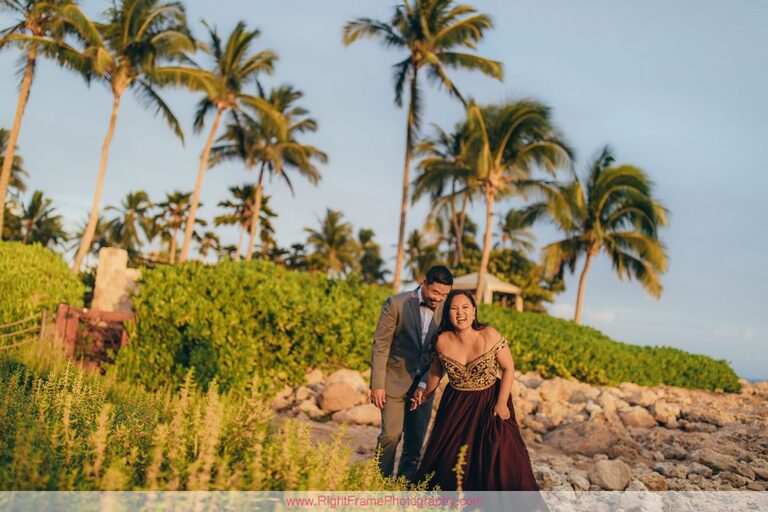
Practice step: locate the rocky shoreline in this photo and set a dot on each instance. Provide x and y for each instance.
(585, 437)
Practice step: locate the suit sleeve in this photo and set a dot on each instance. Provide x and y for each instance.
(434, 362)
(382, 342)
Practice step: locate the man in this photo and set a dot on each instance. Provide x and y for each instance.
(400, 362)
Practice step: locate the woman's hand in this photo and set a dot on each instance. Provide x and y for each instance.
(418, 398)
(502, 411)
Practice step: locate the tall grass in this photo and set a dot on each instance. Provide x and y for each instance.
(62, 428)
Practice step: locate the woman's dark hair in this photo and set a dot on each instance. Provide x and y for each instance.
(445, 321)
(439, 274)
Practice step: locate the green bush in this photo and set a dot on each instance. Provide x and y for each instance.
(237, 320)
(33, 278)
(63, 428)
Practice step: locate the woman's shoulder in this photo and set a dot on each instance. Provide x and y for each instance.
(490, 333)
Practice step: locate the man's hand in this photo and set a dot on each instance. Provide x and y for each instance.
(418, 398)
(378, 398)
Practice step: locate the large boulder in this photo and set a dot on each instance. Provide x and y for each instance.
(611, 475)
(714, 460)
(350, 377)
(637, 417)
(283, 399)
(367, 414)
(555, 390)
(665, 412)
(340, 396)
(643, 397)
(586, 437)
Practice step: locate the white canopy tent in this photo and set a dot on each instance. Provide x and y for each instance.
(492, 285)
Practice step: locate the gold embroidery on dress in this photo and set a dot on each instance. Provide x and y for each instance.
(478, 374)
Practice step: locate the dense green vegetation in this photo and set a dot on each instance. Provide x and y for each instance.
(33, 278)
(236, 320)
(63, 428)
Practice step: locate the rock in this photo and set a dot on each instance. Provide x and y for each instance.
(351, 377)
(551, 414)
(546, 478)
(531, 379)
(555, 390)
(761, 472)
(582, 392)
(637, 417)
(713, 416)
(283, 399)
(636, 485)
(699, 469)
(586, 438)
(664, 412)
(340, 396)
(367, 414)
(671, 469)
(534, 425)
(314, 377)
(743, 469)
(579, 482)
(733, 479)
(699, 426)
(611, 475)
(757, 486)
(714, 460)
(592, 408)
(653, 481)
(310, 408)
(304, 393)
(674, 451)
(643, 397)
(626, 449)
(565, 486)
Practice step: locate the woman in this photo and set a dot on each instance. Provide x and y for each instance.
(475, 409)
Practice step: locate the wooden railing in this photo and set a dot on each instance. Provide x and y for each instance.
(20, 332)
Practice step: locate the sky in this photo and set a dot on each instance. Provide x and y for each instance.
(676, 88)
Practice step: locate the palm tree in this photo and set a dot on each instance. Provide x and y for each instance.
(514, 228)
(124, 53)
(208, 241)
(335, 247)
(132, 215)
(241, 212)
(39, 29)
(17, 171)
(446, 177)
(420, 255)
(222, 86)
(614, 212)
(258, 140)
(101, 236)
(173, 216)
(430, 32)
(371, 262)
(39, 224)
(508, 142)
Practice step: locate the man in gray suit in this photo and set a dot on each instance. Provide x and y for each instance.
(400, 362)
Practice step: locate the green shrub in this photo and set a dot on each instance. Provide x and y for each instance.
(62, 428)
(33, 278)
(237, 320)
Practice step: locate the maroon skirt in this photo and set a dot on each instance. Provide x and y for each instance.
(496, 457)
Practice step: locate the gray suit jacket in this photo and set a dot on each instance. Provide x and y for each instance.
(398, 358)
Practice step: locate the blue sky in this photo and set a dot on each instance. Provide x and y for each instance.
(676, 88)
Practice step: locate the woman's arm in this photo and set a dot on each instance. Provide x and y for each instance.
(504, 357)
(433, 380)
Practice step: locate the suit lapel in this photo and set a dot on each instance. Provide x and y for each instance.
(435, 323)
(413, 306)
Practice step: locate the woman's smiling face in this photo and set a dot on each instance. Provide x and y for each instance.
(462, 313)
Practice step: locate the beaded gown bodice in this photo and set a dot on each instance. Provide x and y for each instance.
(478, 374)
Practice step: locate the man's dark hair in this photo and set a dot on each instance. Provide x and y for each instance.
(439, 274)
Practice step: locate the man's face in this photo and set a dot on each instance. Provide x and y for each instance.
(435, 293)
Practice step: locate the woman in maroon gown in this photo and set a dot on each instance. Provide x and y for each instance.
(476, 408)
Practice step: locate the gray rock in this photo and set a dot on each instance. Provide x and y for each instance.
(671, 469)
(699, 469)
(611, 475)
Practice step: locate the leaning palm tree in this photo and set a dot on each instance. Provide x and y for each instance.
(233, 67)
(334, 244)
(39, 223)
(613, 212)
(17, 172)
(132, 215)
(445, 176)
(257, 140)
(240, 212)
(509, 142)
(101, 237)
(431, 32)
(39, 29)
(515, 230)
(172, 217)
(124, 52)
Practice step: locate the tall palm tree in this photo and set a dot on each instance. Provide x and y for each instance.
(208, 241)
(233, 67)
(258, 140)
(39, 223)
(371, 262)
(430, 32)
(172, 217)
(509, 142)
(421, 254)
(132, 215)
(124, 52)
(101, 236)
(17, 171)
(514, 228)
(615, 212)
(240, 212)
(39, 28)
(445, 176)
(334, 245)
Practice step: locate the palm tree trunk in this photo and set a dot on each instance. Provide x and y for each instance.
(240, 242)
(190, 227)
(489, 199)
(21, 104)
(460, 230)
(256, 212)
(406, 184)
(580, 294)
(172, 247)
(85, 242)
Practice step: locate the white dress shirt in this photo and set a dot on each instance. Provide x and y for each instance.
(426, 319)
